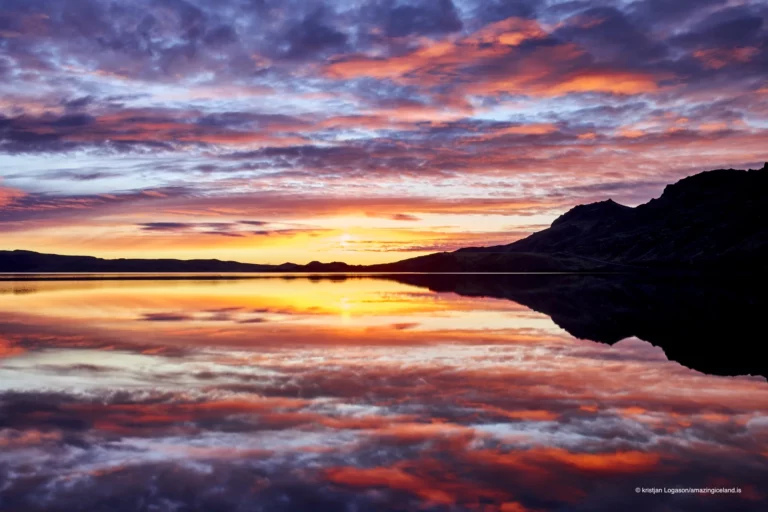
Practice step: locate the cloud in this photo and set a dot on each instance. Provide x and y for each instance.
(514, 56)
(9, 349)
(420, 18)
(108, 104)
(9, 195)
(145, 129)
(187, 228)
(166, 317)
(405, 217)
(71, 175)
(242, 126)
(164, 226)
(313, 35)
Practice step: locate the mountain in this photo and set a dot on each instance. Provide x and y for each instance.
(28, 261)
(715, 220)
(34, 262)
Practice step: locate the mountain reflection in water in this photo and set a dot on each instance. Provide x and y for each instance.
(405, 392)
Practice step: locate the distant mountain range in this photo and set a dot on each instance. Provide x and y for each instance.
(715, 220)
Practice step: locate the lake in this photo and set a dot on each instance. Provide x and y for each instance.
(411, 392)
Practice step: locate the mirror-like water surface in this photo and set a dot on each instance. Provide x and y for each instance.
(356, 394)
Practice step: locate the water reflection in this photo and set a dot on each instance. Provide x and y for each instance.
(709, 324)
(405, 393)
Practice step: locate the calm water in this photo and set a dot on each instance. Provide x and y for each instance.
(358, 394)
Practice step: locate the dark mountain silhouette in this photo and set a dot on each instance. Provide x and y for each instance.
(715, 220)
(34, 262)
(28, 261)
(714, 325)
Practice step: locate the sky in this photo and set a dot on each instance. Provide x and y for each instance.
(364, 131)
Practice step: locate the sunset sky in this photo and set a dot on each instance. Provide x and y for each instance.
(359, 130)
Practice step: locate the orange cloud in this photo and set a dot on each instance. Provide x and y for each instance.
(427, 479)
(9, 441)
(521, 129)
(548, 464)
(8, 195)
(440, 57)
(525, 415)
(716, 58)
(618, 82)
(537, 72)
(508, 32)
(610, 463)
(9, 349)
(494, 40)
(529, 129)
(631, 133)
(392, 478)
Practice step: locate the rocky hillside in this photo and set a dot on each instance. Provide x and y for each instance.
(712, 220)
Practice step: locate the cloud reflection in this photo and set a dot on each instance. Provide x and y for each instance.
(410, 400)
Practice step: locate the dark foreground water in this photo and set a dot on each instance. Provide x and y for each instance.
(365, 394)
